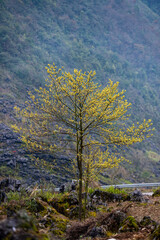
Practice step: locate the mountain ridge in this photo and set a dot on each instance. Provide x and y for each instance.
(120, 40)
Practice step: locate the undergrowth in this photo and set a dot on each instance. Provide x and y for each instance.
(110, 190)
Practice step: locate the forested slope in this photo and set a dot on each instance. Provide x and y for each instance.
(118, 39)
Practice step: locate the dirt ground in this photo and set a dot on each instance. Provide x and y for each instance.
(150, 208)
(138, 211)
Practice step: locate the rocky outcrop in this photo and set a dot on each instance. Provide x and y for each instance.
(97, 227)
(14, 157)
(67, 205)
(10, 185)
(20, 226)
(137, 196)
(100, 197)
(115, 222)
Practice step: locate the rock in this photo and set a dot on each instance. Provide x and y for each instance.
(12, 154)
(71, 199)
(55, 222)
(114, 220)
(73, 186)
(67, 205)
(137, 196)
(96, 232)
(11, 163)
(9, 184)
(99, 197)
(62, 188)
(137, 192)
(79, 229)
(19, 227)
(96, 228)
(148, 222)
(74, 212)
(3, 196)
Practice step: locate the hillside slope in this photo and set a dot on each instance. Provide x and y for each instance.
(154, 5)
(118, 39)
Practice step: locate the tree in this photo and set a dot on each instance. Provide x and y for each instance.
(72, 113)
(95, 161)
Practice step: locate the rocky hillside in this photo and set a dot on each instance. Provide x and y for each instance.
(118, 39)
(45, 215)
(153, 4)
(16, 162)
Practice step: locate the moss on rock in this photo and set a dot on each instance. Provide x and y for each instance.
(156, 234)
(129, 225)
(156, 193)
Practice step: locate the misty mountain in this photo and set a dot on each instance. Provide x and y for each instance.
(118, 39)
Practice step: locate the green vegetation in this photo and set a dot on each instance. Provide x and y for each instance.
(115, 190)
(6, 171)
(129, 224)
(39, 218)
(156, 192)
(155, 234)
(35, 33)
(30, 210)
(153, 156)
(117, 39)
(16, 196)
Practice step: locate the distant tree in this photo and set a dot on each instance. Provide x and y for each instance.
(72, 113)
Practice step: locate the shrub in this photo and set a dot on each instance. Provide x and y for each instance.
(156, 193)
(13, 196)
(115, 190)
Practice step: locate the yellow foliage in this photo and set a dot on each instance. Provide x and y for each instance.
(73, 106)
(72, 112)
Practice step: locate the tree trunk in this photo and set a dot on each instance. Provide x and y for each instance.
(80, 167)
(86, 196)
(80, 190)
